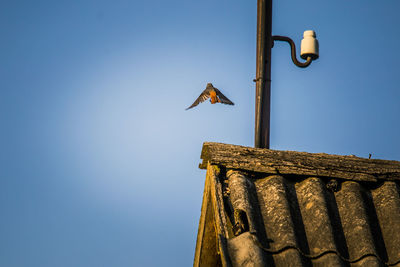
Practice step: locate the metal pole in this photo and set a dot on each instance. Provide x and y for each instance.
(263, 73)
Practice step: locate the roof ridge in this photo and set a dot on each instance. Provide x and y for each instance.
(299, 163)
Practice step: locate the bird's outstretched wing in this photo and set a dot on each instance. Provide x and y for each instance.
(203, 97)
(223, 98)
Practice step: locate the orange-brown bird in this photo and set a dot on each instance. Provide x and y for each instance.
(214, 94)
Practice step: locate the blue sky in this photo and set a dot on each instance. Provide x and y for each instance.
(99, 157)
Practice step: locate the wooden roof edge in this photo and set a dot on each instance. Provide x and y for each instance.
(211, 246)
(298, 163)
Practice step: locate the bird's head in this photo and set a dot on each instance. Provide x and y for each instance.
(209, 85)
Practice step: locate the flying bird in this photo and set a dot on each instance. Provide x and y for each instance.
(214, 94)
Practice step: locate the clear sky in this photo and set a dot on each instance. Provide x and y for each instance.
(99, 159)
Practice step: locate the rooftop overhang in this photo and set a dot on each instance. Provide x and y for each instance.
(282, 208)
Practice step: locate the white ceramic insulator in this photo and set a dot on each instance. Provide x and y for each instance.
(309, 45)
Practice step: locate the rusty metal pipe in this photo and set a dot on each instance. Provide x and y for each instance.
(263, 73)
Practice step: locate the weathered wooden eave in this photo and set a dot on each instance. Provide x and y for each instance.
(211, 247)
(299, 163)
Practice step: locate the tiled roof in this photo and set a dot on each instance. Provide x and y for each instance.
(277, 208)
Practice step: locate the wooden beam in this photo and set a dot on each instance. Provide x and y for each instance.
(211, 247)
(298, 163)
(206, 250)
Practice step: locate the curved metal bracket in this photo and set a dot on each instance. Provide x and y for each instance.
(293, 48)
